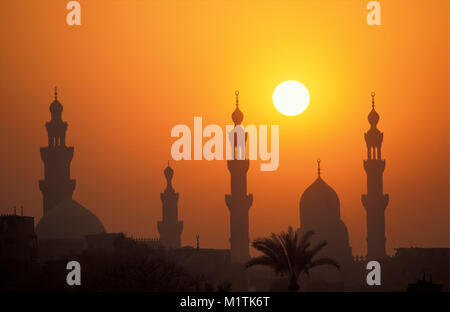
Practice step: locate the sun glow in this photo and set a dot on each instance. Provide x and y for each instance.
(290, 98)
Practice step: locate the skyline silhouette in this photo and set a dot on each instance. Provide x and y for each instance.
(63, 218)
(117, 173)
(122, 102)
(57, 187)
(68, 229)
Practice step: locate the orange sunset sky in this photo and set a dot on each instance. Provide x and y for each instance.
(136, 68)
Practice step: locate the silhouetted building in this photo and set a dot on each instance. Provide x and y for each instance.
(320, 212)
(104, 241)
(64, 223)
(214, 264)
(170, 228)
(424, 286)
(238, 202)
(57, 185)
(68, 220)
(110, 242)
(115, 241)
(375, 201)
(151, 242)
(408, 264)
(17, 238)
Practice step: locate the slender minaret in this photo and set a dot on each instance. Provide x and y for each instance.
(238, 201)
(375, 201)
(170, 228)
(57, 184)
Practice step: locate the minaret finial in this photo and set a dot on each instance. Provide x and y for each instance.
(318, 167)
(237, 115)
(56, 93)
(198, 241)
(373, 99)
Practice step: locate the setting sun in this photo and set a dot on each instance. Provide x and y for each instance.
(290, 98)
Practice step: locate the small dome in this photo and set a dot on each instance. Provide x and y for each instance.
(56, 107)
(168, 172)
(237, 116)
(318, 202)
(68, 220)
(373, 117)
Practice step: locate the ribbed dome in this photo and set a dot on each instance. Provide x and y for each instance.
(373, 117)
(68, 220)
(319, 201)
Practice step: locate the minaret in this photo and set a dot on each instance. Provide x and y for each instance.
(238, 201)
(375, 201)
(170, 228)
(57, 184)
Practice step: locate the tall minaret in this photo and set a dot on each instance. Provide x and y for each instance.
(57, 185)
(238, 201)
(375, 201)
(170, 228)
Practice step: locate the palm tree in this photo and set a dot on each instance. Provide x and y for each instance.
(288, 253)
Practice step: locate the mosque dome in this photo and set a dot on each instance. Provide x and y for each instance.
(320, 213)
(319, 200)
(68, 220)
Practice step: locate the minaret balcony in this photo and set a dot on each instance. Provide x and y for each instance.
(371, 202)
(57, 153)
(241, 202)
(238, 166)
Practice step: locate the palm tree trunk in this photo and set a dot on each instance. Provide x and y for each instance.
(293, 285)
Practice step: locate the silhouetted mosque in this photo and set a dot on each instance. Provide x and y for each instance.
(375, 201)
(63, 218)
(238, 202)
(68, 229)
(170, 228)
(320, 212)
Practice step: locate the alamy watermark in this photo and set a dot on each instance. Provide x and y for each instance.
(235, 145)
(74, 276)
(73, 18)
(374, 16)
